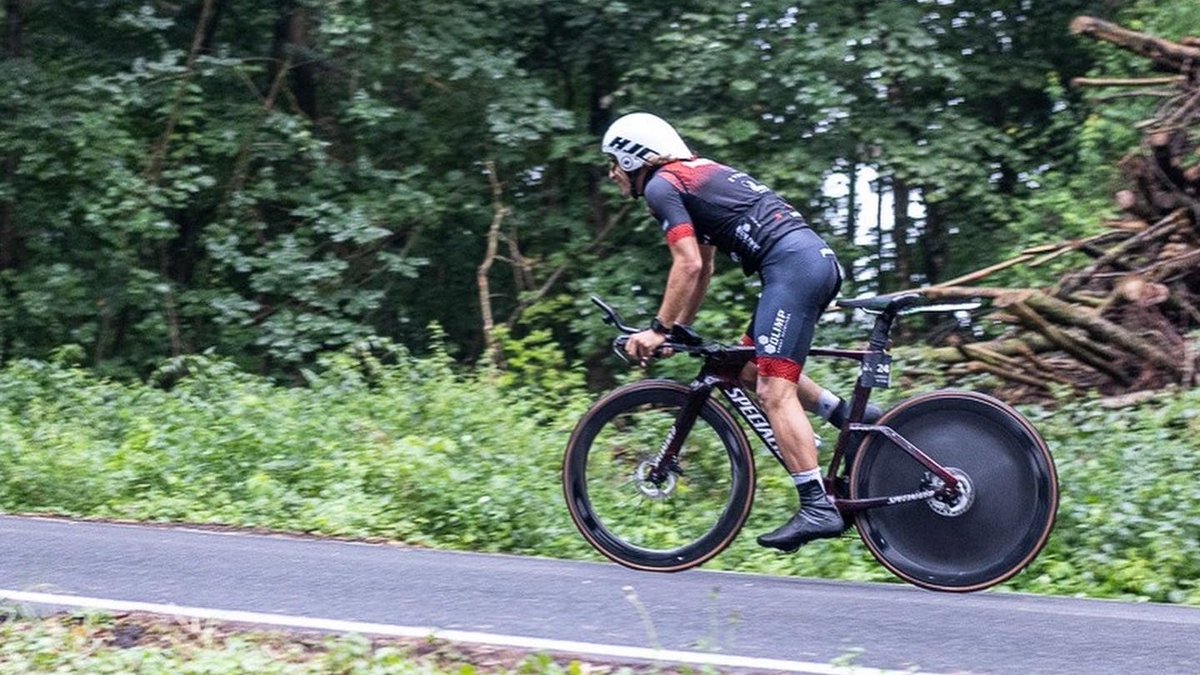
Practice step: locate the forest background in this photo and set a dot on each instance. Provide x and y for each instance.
(319, 265)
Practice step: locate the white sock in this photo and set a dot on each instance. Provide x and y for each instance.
(806, 476)
(827, 403)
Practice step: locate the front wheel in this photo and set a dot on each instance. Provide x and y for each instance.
(1002, 515)
(670, 524)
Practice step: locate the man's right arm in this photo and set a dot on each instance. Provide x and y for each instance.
(691, 262)
(700, 289)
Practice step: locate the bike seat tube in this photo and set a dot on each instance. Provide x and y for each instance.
(858, 403)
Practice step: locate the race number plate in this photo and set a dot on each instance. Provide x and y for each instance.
(876, 371)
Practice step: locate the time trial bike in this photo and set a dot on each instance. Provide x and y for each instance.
(950, 490)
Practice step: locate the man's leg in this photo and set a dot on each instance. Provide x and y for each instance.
(831, 407)
(817, 517)
(815, 399)
(789, 423)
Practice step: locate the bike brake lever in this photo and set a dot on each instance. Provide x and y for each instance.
(618, 347)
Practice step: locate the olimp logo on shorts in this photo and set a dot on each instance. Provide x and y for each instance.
(772, 341)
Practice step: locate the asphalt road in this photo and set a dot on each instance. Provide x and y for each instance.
(872, 625)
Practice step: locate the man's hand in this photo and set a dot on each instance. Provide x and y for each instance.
(641, 345)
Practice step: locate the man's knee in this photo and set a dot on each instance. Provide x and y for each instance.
(776, 392)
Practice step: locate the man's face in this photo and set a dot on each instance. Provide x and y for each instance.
(616, 175)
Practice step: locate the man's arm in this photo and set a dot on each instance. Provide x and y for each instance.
(691, 269)
(700, 289)
(687, 270)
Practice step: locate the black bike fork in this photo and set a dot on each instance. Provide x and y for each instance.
(669, 453)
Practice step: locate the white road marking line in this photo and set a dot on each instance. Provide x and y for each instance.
(422, 632)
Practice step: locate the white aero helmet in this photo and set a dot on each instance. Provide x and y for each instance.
(637, 138)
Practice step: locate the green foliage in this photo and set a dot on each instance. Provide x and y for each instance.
(280, 194)
(97, 643)
(1129, 522)
(410, 450)
(384, 444)
(948, 100)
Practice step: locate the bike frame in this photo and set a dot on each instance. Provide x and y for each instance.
(722, 371)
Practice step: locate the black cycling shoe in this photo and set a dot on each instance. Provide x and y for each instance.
(817, 518)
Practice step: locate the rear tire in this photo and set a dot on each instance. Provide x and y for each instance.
(667, 527)
(984, 537)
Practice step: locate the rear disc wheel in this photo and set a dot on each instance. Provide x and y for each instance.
(996, 523)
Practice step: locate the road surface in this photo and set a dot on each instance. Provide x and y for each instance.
(778, 620)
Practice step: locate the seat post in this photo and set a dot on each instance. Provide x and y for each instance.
(888, 307)
(881, 331)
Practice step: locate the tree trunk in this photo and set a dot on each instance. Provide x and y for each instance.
(1081, 350)
(291, 47)
(499, 211)
(10, 242)
(901, 224)
(880, 286)
(11, 248)
(14, 27)
(599, 117)
(852, 202)
(210, 32)
(241, 165)
(933, 243)
(1102, 330)
(851, 221)
(154, 170)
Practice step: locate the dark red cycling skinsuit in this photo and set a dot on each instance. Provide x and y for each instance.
(726, 208)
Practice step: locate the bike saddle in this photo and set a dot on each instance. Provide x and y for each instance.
(892, 304)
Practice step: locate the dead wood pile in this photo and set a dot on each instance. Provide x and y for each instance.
(1121, 323)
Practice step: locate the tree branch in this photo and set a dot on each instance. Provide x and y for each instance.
(1085, 352)
(1159, 230)
(1126, 82)
(154, 166)
(1163, 52)
(541, 292)
(154, 170)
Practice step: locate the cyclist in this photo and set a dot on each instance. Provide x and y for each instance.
(704, 206)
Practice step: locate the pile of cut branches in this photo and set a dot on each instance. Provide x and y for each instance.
(1120, 324)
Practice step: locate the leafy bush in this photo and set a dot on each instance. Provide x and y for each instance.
(409, 450)
(384, 444)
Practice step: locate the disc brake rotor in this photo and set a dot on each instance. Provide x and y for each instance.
(650, 489)
(957, 505)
